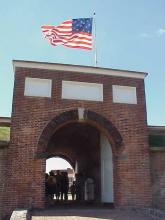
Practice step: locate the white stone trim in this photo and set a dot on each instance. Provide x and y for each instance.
(81, 114)
(76, 90)
(124, 94)
(78, 69)
(20, 214)
(107, 180)
(38, 87)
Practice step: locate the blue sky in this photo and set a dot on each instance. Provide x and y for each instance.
(130, 35)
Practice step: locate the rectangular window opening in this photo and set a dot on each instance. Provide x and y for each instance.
(82, 91)
(124, 94)
(38, 87)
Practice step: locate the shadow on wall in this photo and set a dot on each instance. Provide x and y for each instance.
(159, 192)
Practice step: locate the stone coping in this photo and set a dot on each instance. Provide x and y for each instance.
(78, 69)
(20, 214)
(157, 148)
(4, 144)
(5, 121)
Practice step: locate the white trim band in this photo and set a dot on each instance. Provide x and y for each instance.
(82, 91)
(78, 69)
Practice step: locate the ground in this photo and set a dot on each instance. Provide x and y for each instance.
(88, 214)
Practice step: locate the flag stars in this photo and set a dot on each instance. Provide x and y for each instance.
(82, 24)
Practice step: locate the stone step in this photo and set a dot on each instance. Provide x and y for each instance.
(88, 214)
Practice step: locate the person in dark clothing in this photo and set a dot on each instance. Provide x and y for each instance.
(51, 184)
(79, 187)
(58, 184)
(64, 186)
(73, 190)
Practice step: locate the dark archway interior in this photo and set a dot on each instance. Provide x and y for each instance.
(80, 143)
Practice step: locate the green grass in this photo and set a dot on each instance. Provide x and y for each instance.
(4, 133)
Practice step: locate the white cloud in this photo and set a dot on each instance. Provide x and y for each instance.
(157, 33)
(144, 35)
(160, 32)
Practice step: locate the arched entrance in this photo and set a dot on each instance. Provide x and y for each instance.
(56, 162)
(59, 179)
(90, 142)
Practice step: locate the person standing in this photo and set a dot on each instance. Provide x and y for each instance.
(64, 186)
(58, 184)
(51, 184)
(73, 190)
(79, 187)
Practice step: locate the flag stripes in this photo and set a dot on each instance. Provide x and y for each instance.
(64, 34)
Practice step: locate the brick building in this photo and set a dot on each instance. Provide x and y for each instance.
(93, 117)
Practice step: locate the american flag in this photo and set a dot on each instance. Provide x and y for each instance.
(75, 33)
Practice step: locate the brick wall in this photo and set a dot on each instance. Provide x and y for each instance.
(158, 178)
(30, 115)
(3, 171)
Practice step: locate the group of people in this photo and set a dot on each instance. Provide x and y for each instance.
(57, 186)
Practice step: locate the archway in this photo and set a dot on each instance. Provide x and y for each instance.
(56, 168)
(91, 142)
(80, 115)
(57, 163)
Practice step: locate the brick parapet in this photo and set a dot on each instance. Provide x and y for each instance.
(3, 179)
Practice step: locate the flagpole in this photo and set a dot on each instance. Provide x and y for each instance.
(95, 48)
